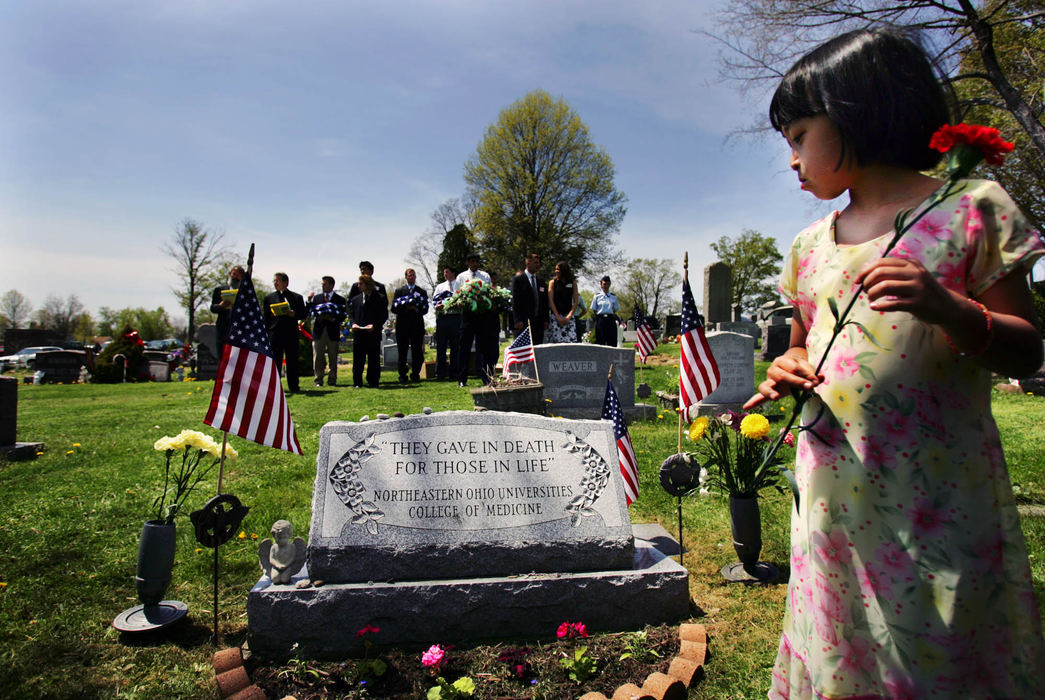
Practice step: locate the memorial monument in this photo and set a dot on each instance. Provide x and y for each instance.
(464, 526)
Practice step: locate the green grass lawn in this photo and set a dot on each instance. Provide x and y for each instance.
(70, 520)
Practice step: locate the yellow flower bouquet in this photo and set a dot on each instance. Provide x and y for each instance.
(731, 448)
(180, 482)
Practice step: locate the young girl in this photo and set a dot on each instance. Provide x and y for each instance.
(909, 574)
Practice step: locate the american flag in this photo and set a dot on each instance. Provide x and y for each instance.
(521, 350)
(248, 398)
(647, 343)
(699, 372)
(629, 469)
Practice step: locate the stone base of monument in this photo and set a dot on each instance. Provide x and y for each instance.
(323, 621)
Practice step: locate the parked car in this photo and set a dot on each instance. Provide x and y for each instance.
(24, 357)
(164, 344)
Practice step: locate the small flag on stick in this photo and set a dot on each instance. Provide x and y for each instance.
(698, 375)
(520, 351)
(629, 469)
(248, 398)
(647, 342)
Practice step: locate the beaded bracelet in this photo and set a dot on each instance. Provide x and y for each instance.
(986, 343)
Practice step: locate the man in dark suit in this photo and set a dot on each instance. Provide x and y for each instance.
(530, 300)
(368, 311)
(367, 268)
(410, 305)
(282, 326)
(222, 307)
(328, 308)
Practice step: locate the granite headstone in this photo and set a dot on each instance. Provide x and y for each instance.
(574, 377)
(735, 355)
(718, 292)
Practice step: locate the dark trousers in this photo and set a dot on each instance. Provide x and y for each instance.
(447, 337)
(483, 329)
(283, 349)
(366, 349)
(413, 340)
(536, 331)
(606, 330)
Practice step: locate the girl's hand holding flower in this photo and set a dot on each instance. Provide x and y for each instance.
(790, 372)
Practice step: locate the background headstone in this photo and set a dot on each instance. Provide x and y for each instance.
(672, 326)
(574, 378)
(9, 446)
(746, 327)
(59, 366)
(718, 293)
(776, 339)
(735, 355)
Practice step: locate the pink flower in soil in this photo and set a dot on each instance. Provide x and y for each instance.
(569, 630)
(832, 549)
(434, 657)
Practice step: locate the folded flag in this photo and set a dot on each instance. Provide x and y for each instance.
(415, 297)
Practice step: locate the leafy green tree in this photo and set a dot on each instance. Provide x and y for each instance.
(151, 325)
(652, 284)
(991, 52)
(1019, 44)
(755, 262)
(457, 243)
(198, 255)
(540, 184)
(60, 315)
(15, 309)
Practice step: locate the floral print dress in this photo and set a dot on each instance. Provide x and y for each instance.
(909, 573)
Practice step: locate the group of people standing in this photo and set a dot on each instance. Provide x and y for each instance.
(549, 308)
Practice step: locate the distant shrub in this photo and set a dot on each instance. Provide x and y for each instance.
(131, 346)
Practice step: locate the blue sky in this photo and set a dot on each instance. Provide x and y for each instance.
(327, 132)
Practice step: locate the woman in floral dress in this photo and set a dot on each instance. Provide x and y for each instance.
(909, 573)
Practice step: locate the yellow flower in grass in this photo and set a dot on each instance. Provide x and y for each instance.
(698, 427)
(754, 426)
(76, 444)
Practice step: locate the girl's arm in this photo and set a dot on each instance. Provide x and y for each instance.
(573, 309)
(788, 372)
(551, 301)
(1009, 344)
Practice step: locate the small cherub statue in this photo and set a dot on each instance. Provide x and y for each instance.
(281, 559)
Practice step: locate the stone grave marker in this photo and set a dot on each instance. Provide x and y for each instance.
(207, 358)
(746, 327)
(574, 378)
(517, 519)
(10, 448)
(671, 326)
(776, 339)
(59, 366)
(718, 292)
(735, 355)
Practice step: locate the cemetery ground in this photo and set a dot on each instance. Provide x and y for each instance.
(70, 521)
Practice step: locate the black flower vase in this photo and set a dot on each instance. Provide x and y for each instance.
(155, 561)
(745, 521)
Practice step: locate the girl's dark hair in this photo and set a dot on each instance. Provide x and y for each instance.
(878, 87)
(566, 273)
